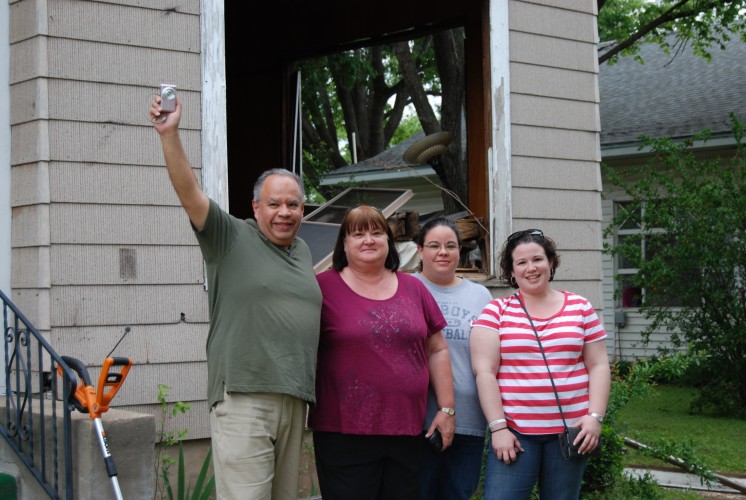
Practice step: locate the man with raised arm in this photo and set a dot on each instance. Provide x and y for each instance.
(265, 308)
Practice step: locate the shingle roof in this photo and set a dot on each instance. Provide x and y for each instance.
(389, 158)
(671, 96)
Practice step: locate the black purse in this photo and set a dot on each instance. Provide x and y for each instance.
(568, 436)
(566, 439)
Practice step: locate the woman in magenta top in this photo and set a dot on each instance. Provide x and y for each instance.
(380, 346)
(513, 381)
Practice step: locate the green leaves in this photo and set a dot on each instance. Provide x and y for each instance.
(689, 253)
(705, 25)
(163, 462)
(203, 488)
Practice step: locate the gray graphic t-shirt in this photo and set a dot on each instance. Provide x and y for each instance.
(460, 305)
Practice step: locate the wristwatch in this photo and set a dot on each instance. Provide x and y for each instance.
(597, 416)
(447, 410)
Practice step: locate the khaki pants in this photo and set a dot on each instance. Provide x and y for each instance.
(256, 446)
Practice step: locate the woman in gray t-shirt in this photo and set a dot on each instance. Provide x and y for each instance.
(454, 473)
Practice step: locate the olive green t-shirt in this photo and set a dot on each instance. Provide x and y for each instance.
(265, 306)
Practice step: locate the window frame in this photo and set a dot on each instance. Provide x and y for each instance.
(623, 272)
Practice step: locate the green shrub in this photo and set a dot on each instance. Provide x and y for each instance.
(202, 489)
(605, 470)
(639, 488)
(163, 461)
(165, 437)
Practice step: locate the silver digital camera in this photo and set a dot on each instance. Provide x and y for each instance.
(168, 97)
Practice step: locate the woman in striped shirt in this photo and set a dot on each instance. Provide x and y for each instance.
(513, 381)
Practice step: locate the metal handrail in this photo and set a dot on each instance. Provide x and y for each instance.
(31, 384)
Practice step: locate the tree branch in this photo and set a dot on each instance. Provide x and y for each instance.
(414, 85)
(666, 17)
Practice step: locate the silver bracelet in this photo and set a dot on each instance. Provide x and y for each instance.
(498, 421)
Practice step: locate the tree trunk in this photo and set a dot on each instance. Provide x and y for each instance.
(449, 57)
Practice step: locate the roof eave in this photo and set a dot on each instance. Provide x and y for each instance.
(393, 173)
(625, 150)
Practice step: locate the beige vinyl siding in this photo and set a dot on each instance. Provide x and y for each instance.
(167, 343)
(119, 224)
(192, 421)
(100, 241)
(556, 181)
(113, 264)
(126, 305)
(554, 173)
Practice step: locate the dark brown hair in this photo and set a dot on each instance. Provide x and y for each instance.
(528, 236)
(363, 217)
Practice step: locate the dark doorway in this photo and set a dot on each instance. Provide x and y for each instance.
(260, 92)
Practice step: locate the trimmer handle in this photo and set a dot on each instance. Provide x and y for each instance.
(109, 382)
(83, 396)
(79, 368)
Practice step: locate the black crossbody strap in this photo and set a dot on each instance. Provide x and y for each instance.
(541, 348)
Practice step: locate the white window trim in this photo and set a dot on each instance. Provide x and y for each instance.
(629, 271)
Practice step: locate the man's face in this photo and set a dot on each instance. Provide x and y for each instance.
(279, 209)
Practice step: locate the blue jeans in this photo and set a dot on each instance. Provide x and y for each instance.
(453, 474)
(559, 479)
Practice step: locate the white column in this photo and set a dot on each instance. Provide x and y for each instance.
(5, 212)
(499, 157)
(214, 120)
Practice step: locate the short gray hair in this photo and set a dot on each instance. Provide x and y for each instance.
(278, 171)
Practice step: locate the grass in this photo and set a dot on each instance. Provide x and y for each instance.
(719, 441)
(671, 494)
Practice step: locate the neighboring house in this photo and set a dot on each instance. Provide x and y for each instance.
(389, 170)
(670, 95)
(93, 237)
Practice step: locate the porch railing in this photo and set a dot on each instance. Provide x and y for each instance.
(29, 420)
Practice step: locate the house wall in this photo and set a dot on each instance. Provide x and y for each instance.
(100, 241)
(554, 138)
(628, 342)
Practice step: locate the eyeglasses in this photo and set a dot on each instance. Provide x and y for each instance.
(525, 232)
(435, 247)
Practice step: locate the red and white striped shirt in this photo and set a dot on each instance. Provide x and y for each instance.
(528, 399)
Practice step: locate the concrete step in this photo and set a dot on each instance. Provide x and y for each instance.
(684, 480)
